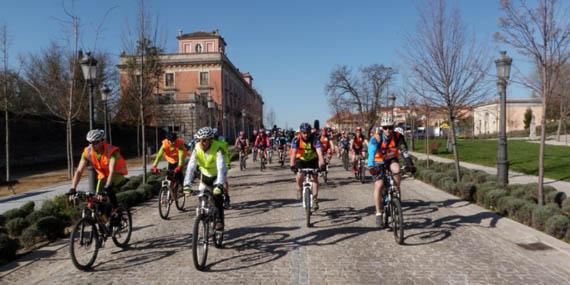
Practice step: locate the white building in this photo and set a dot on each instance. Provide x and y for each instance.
(486, 116)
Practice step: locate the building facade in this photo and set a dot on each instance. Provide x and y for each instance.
(199, 86)
(486, 116)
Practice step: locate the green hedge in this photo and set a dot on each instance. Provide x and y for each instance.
(16, 226)
(492, 198)
(8, 248)
(557, 226)
(524, 214)
(542, 213)
(52, 227)
(30, 236)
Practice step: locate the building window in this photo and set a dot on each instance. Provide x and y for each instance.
(187, 48)
(204, 78)
(169, 79)
(198, 48)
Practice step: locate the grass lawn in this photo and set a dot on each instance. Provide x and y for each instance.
(523, 156)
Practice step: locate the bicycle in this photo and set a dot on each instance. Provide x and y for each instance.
(262, 160)
(254, 152)
(360, 169)
(171, 191)
(392, 203)
(242, 160)
(204, 227)
(93, 229)
(282, 156)
(308, 191)
(345, 162)
(325, 173)
(270, 154)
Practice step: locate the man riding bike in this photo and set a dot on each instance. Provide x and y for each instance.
(306, 153)
(242, 143)
(384, 149)
(109, 165)
(262, 143)
(357, 147)
(254, 148)
(174, 152)
(281, 143)
(209, 157)
(327, 145)
(343, 144)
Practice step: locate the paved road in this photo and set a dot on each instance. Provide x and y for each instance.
(447, 242)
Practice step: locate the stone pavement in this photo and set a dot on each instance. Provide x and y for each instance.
(48, 192)
(447, 241)
(514, 177)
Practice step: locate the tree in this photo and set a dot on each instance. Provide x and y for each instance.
(541, 33)
(359, 93)
(527, 118)
(4, 45)
(448, 69)
(270, 118)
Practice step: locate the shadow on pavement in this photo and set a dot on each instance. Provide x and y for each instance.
(23, 196)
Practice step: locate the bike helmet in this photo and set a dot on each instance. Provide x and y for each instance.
(241, 133)
(95, 136)
(215, 132)
(399, 130)
(205, 133)
(262, 130)
(171, 136)
(358, 129)
(305, 127)
(387, 121)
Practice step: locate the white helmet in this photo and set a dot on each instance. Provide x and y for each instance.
(95, 136)
(399, 130)
(205, 133)
(387, 121)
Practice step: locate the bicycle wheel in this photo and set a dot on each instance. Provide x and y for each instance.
(123, 230)
(84, 244)
(241, 162)
(200, 242)
(362, 175)
(180, 198)
(164, 202)
(345, 161)
(307, 198)
(397, 221)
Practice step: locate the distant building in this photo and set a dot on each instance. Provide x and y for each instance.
(200, 86)
(486, 116)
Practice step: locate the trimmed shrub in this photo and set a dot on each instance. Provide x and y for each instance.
(14, 213)
(492, 198)
(566, 207)
(2, 220)
(16, 226)
(557, 226)
(510, 206)
(466, 191)
(8, 248)
(522, 192)
(447, 185)
(133, 183)
(59, 207)
(130, 197)
(482, 190)
(52, 227)
(555, 197)
(524, 213)
(435, 177)
(28, 207)
(426, 174)
(34, 216)
(567, 236)
(30, 236)
(542, 213)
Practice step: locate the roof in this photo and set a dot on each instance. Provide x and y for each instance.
(201, 35)
(512, 101)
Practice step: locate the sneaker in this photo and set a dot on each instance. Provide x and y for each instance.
(315, 203)
(379, 219)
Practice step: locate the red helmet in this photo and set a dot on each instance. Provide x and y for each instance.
(358, 129)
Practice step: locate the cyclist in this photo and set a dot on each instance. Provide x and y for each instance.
(254, 149)
(357, 147)
(281, 142)
(327, 145)
(343, 143)
(384, 149)
(262, 143)
(174, 152)
(109, 165)
(306, 153)
(208, 156)
(227, 159)
(242, 143)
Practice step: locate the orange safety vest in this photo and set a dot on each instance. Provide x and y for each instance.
(386, 151)
(305, 151)
(102, 166)
(172, 156)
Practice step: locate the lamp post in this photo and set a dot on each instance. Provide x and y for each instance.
(105, 92)
(211, 106)
(503, 65)
(413, 118)
(89, 69)
(392, 104)
(192, 113)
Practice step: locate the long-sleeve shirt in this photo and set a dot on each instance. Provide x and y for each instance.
(373, 146)
(192, 164)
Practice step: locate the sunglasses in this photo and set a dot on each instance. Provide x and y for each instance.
(96, 143)
(387, 128)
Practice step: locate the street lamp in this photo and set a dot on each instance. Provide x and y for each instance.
(413, 117)
(211, 106)
(392, 104)
(503, 65)
(89, 69)
(105, 92)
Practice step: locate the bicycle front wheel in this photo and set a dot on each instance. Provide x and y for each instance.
(200, 242)
(164, 202)
(180, 200)
(397, 220)
(123, 229)
(307, 200)
(84, 244)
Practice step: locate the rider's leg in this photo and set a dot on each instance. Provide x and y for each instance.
(395, 168)
(378, 196)
(353, 158)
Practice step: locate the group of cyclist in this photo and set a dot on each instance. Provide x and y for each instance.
(208, 157)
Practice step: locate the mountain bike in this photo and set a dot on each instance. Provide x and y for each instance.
(308, 191)
(254, 154)
(360, 168)
(345, 161)
(270, 154)
(393, 215)
(95, 226)
(204, 227)
(170, 192)
(262, 160)
(242, 159)
(282, 156)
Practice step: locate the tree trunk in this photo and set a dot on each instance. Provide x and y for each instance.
(6, 117)
(138, 140)
(426, 132)
(141, 110)
(454, 148)
(559, 130)
(541, 152)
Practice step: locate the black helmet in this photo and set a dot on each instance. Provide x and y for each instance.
(171, 136)
(305, 127)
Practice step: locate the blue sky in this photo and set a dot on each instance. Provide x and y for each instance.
(290, 47)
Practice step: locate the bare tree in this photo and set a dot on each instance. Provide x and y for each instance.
(448, 68)
(270, 118)
(4, 45)
(359, 93)
(541, 33)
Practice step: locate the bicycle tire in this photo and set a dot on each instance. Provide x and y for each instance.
(92, 239)
(307, 198)
(200, 261)
(362, 174)
(397, 220)
(164, 202)
(179, 196)
(126, 222)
